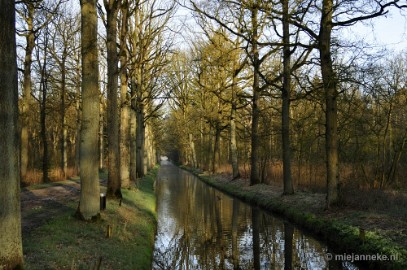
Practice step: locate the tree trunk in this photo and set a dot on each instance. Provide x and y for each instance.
(89, 205)
(193, 151)
(27, 99)
(331, 111)
(125, 104)
(113, 180)
(43, 115)
(287, 179)
(64, 129)
(254, 173)
(141, 133)
(124, 135)
(11, 252)
(101, 134)
(233, 143)
(78, 116)
(149, 149)
(216, 149)
(133, 136)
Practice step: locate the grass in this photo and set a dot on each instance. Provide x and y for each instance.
(67, 243)
(343, 230)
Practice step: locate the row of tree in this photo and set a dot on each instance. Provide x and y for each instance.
(80, 83)
(132, 48)
(272, 82)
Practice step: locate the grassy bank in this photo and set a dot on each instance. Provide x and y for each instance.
(67, 243)
(343, 229)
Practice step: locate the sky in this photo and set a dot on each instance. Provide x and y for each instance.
(389, 30)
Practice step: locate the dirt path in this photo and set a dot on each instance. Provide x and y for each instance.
(40, 205)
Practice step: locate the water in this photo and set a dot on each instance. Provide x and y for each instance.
(202, 228)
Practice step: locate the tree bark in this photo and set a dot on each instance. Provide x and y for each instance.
(89, 207)
(101, 133)
(78, 132)
(43, 115)
(113, 180)
(192, 148)
(331, 112)
(133, 136)
(27, 100)
(140, 139)
(233, 141)
(287, 179)
(64, 132)
(254, 173)
(11, 251)
(125, 103)
(216, 149)
(78, 114)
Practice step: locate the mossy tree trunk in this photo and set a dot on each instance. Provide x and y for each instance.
(331, 111)
(133, 134)
(11, 251)
(89, 207)
(113, 181)
(124, 101)
(27, 100)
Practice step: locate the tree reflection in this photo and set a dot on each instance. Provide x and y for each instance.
(288, 246)
(200, 228)
(235, 243)
(256, 238)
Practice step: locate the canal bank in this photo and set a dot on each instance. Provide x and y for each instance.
(351, 232)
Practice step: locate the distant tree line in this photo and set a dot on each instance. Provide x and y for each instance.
(274, 92)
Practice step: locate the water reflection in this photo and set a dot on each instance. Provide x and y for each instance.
(201, 228)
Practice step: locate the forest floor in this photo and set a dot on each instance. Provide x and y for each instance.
(54, 239)
(365, 222)
(41, 203)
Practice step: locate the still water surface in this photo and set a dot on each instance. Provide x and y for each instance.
(199, 227)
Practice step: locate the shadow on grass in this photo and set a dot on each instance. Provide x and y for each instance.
(144, 193)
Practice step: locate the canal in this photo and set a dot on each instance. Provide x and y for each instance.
(200, 227)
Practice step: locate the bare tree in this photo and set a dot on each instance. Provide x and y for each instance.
(42, 59)
(113, 181)
(329, 20)
(28, 11)
(255, 58)
(286, 91)
(89, 199)
(124, 99)
(148, 54)
(63, 48)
